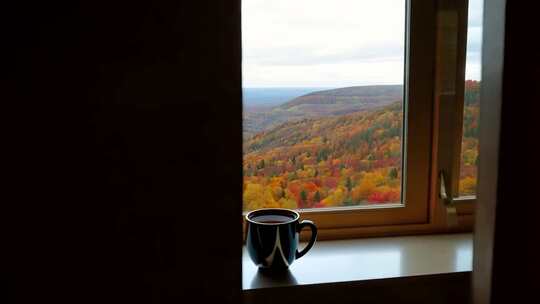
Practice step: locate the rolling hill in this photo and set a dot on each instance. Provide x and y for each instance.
(326, 162)
(350, 99)
(320, 104)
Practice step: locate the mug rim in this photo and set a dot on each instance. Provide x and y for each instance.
(250, 214)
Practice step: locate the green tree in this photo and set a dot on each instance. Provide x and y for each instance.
(348, 183)
(322, 155)
(303, 195)
(393, 174)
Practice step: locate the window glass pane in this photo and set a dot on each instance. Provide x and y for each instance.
(323, 102)
(469, 145)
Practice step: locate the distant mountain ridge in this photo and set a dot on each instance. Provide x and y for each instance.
(332, 95)
(350, 95)
(268, 97)
(329, 102)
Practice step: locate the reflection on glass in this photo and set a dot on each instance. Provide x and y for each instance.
(323, 94)
(469, 145)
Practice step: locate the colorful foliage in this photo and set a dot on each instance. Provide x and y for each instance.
(351, 159)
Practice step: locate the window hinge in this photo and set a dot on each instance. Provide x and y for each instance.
(449, 202)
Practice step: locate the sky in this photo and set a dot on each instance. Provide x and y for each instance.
(337, 43)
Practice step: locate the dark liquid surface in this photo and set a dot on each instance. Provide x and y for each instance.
(272, 219)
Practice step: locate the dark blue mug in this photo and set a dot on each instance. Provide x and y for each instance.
(273, 235)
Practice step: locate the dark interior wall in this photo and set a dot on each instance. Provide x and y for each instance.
(507, 267)
(122, 149)
(516, 267)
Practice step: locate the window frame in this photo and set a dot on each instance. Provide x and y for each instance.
(421, 210)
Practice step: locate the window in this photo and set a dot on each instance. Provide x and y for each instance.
(314, 141)
(341, 109)
(471, 109)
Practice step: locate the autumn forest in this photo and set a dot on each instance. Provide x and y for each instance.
(317, 158)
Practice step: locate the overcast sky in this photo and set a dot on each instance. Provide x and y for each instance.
(332, 43)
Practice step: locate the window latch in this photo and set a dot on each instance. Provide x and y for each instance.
(449, 203)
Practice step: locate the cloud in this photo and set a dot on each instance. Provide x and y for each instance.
(473, 67)
(475, 13)
(310, 56)
(330, 43)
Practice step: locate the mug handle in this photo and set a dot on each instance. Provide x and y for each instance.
(313, 228)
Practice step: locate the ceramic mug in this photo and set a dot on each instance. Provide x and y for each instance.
(273, 235)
